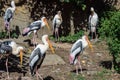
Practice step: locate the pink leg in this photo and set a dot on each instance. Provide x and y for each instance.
(34, 40)
(76, 69)
(7, 27)
(79, 64)
(38, 75)
(7, 67)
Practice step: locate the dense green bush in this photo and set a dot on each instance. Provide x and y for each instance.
(71, 38)
(110, 30)
(3, 35)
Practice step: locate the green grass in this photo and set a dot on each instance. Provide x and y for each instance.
(70, 38)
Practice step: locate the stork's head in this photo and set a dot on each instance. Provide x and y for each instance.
(92, 9)
(85, 38)
(25, 31)
(13, 5)
(46, 40)
(59, 12)
(44, 20)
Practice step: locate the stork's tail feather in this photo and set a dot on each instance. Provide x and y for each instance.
(71, 60)
(6, 25)
(32, 71)
(25, 31)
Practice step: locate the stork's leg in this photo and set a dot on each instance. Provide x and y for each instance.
(76, 69)
(7, 67)
(79, 64)
(55, 35)
(92, 35)
(33, 40)
(95, 34)
(9, 30)
(38, 75)
(58, 34)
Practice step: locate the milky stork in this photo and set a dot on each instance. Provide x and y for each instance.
(38, 55)
(8, 16)
(93, 21)
(77, 49)
(57, 21)
(10, 47)
(34, 27)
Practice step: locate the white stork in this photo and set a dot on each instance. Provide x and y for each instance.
(34, 27)
(8, 16)
(76, 50)
(93, 21)
(57, 21)
(16, 49)
(10, 47)
(38, 55)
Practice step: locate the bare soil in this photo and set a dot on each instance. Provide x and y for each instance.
(96, 65)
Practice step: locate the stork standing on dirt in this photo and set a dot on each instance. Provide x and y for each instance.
(8, 16)
(10, 47)
(93, 21)
(38, 55)
(34, 27)
(76, 50)
(57, 21)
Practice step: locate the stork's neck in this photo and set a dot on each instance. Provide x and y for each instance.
(85, 43)
(16, 51)
(13, 8)
(45, 42)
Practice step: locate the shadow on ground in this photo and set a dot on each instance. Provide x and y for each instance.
(106, 64)
(49, 78)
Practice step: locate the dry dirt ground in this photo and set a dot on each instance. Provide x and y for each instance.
(96, 65)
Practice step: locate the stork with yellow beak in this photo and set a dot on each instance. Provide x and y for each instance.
(34, 27)
(10, 47)
(16, 49)
(38, 55)
(77, 49)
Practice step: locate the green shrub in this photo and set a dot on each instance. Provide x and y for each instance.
(110, 30)
(71, 38)
(3, 34)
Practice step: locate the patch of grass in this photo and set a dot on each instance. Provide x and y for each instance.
(73, 76)
(70, 38)
(102, 75)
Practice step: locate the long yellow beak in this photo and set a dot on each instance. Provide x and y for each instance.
(50, 45)
(46, 23)
(21, 57)
(90, 45)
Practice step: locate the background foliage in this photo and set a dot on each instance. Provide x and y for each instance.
(110, 30)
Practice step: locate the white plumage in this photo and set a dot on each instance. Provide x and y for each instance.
(16, 49)
(10, 47)
(9, 14)
(38, 55)
(93, 21)
(34, 27)
(77, 49)
(57, 21)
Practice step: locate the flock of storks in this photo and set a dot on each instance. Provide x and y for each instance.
(38, 54)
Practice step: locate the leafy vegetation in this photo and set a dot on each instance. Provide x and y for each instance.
(71, 38)
(4, 34)
(80, 3)
(110, 29)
